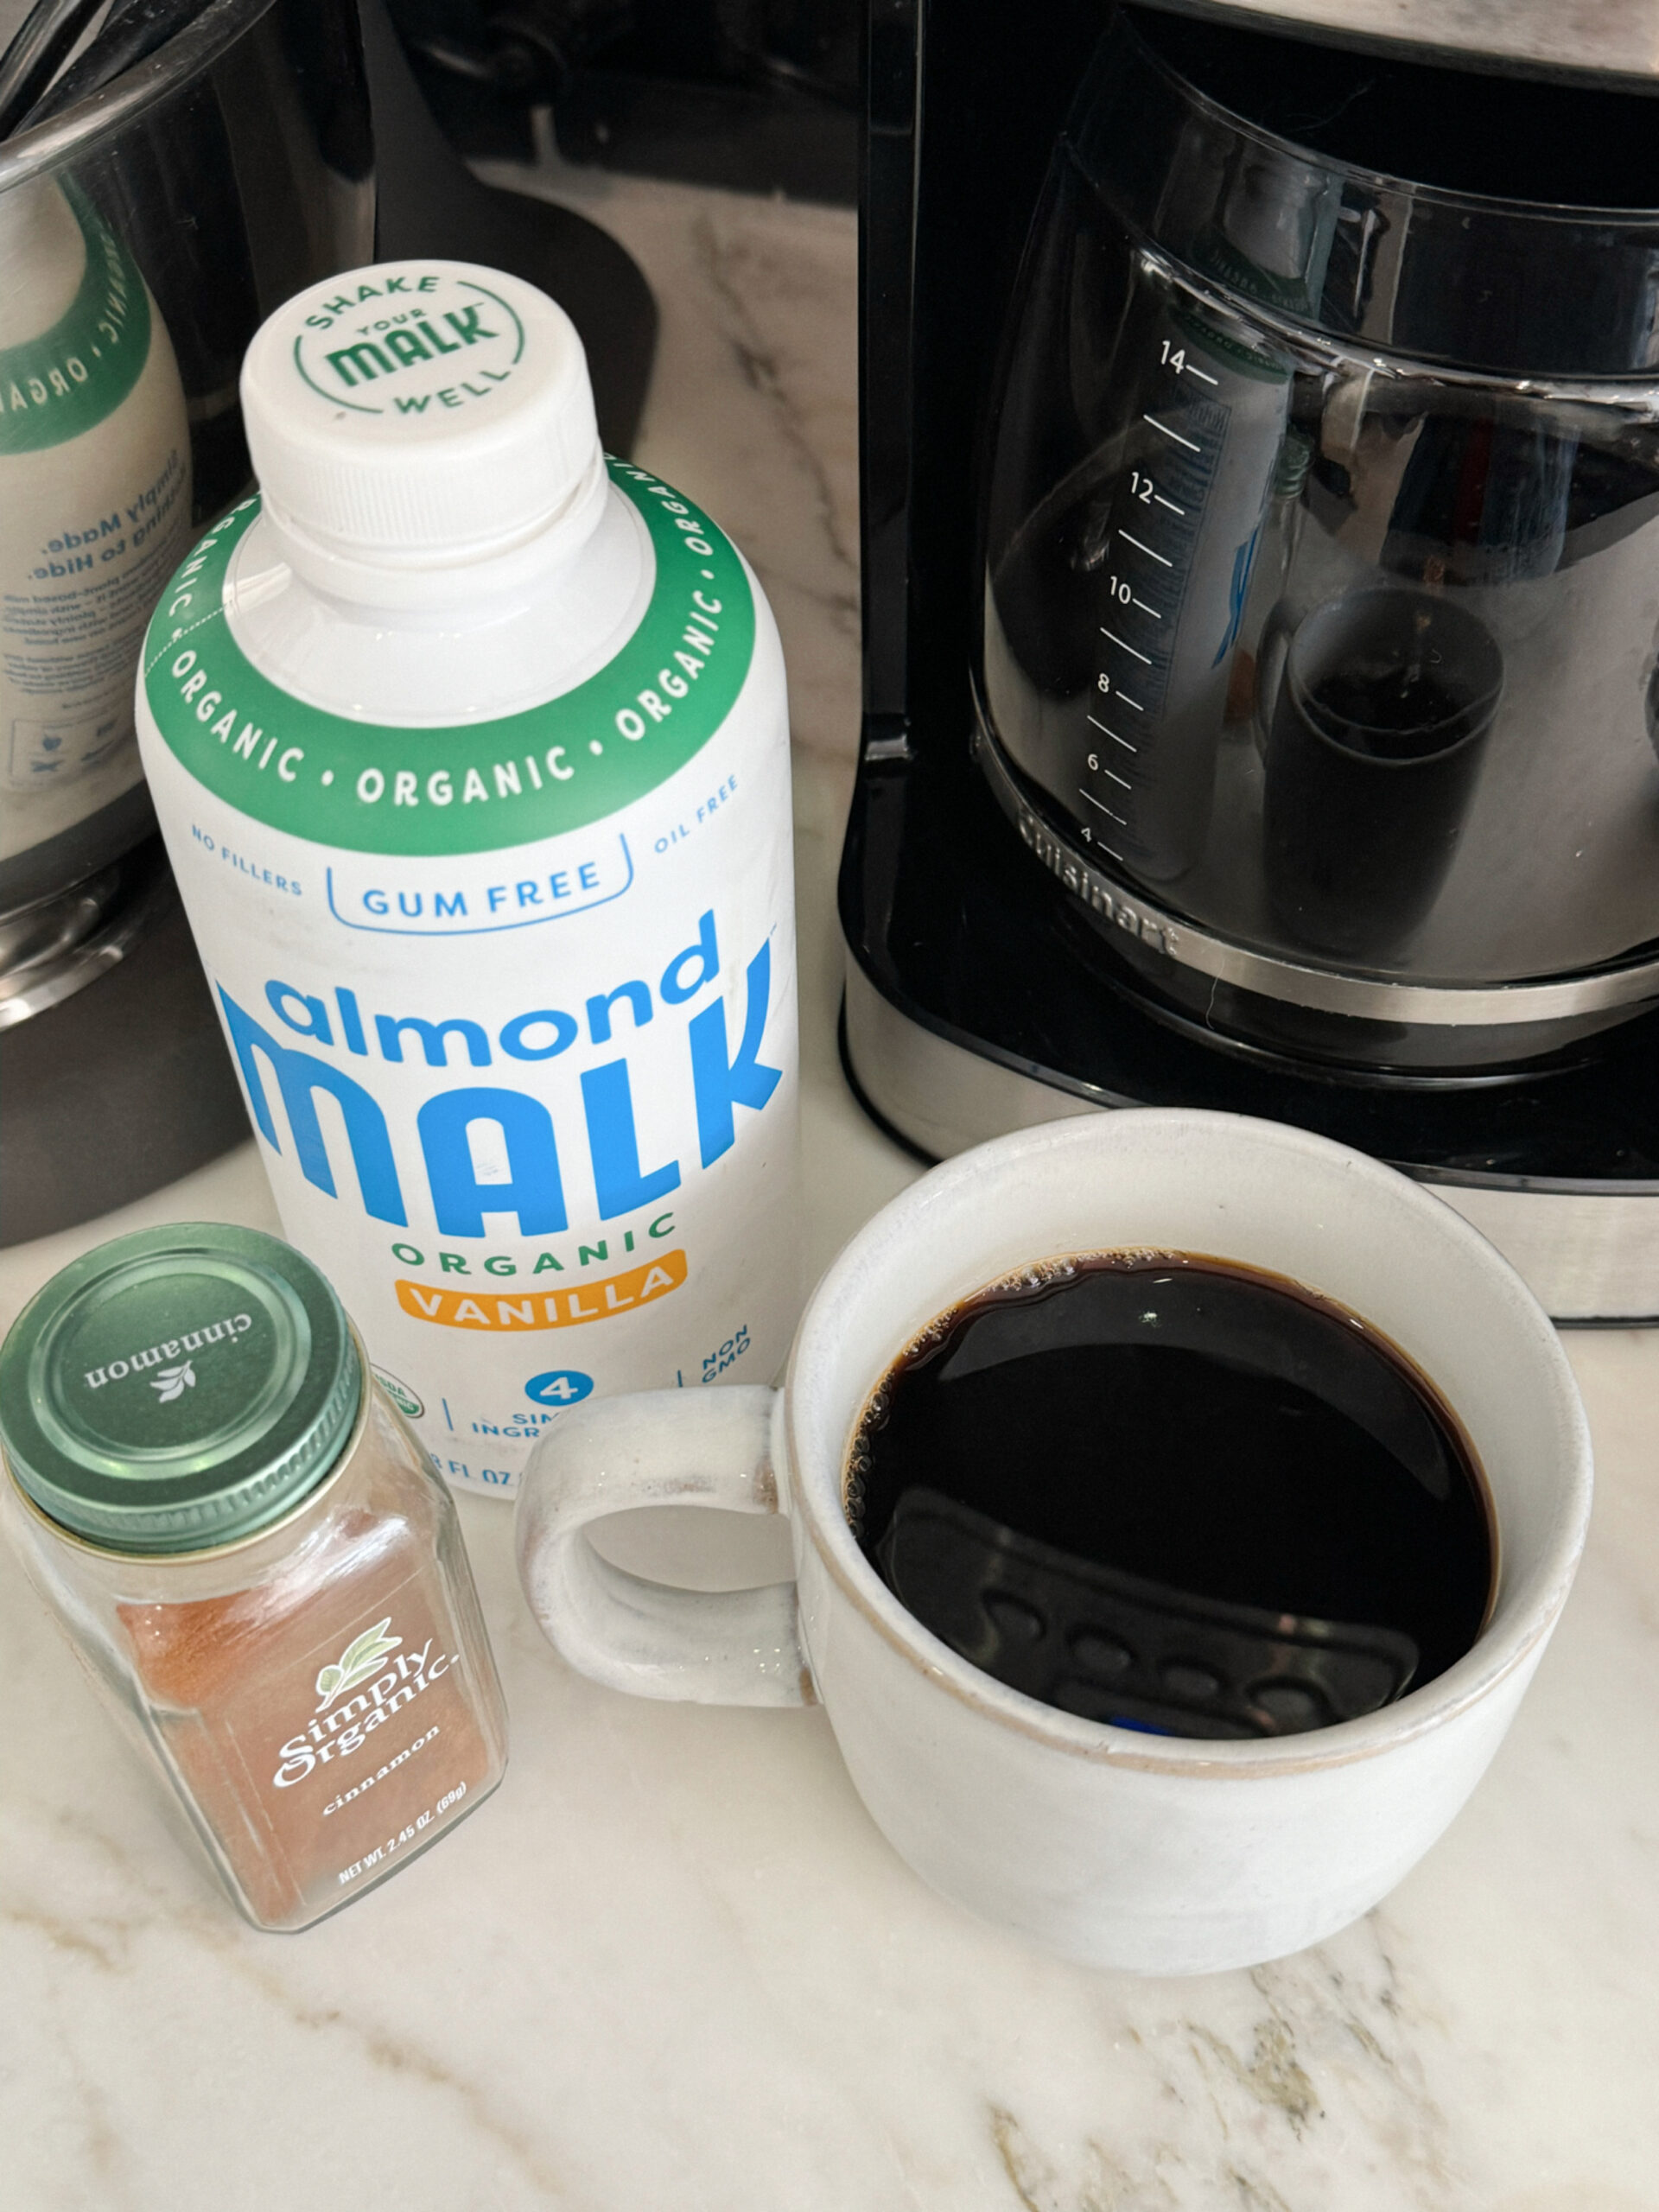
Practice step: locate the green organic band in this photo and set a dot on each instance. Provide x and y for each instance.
(477, 787)
(54, 386)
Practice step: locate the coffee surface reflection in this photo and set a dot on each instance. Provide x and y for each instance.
(1175, 1493)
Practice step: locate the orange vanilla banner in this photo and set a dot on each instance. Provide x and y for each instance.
(564, 1308)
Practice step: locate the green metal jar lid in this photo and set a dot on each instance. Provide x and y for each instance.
(177, 1389)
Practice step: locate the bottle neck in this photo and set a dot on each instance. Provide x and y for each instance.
(492, 637)
(415, 589)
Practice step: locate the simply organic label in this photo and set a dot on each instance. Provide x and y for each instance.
(322, 1768)
(512, 1003)
(373, 1679)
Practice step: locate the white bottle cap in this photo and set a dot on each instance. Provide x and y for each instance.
(419, 414)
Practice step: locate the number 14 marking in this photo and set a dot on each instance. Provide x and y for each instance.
(1175, 357)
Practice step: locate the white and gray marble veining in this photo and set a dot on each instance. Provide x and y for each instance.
(671, 1964)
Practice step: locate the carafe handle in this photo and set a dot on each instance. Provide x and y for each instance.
(1271, 655)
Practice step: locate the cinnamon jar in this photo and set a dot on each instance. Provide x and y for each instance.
(258, 1566)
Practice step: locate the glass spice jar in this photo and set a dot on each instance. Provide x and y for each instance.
(257, 1564)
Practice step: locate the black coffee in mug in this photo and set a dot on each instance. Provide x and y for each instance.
(1176, 1494)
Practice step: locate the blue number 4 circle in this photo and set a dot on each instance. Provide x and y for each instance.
(561, 1386)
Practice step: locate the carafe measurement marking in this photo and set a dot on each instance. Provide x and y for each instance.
(1160, 514)
(1143, 489)
(1175, 357)
(1191, 444)
(1097, 724)
(1146, 549)
(1104, 809)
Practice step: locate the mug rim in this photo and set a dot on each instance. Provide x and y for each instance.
(1505, 1643)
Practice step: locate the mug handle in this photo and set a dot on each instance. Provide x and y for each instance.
(659, 1447)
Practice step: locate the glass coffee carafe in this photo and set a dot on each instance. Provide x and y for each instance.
(1321, 550)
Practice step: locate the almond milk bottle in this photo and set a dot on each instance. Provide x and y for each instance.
(471, 750)
(94, 507)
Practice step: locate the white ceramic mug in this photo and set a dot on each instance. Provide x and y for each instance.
(1160, 1854)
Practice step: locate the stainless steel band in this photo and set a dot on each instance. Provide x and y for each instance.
(1587, 1254)
(1368, 998)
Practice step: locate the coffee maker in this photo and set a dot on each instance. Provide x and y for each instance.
(1260, 479)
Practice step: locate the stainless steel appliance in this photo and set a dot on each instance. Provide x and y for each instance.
(145, 230)
(228, 169)
(1263, 601)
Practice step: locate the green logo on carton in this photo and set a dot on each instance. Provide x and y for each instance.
(475, 787)
(402, 1396)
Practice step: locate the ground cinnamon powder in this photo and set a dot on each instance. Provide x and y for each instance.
(305, 1794)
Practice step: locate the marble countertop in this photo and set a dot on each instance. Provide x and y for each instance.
(671, 1963)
